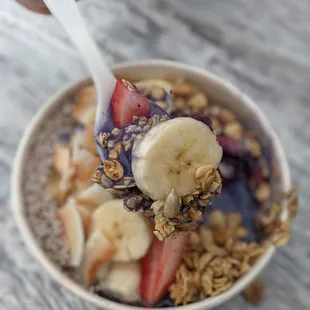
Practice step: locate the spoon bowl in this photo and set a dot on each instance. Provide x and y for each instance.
(67, 13)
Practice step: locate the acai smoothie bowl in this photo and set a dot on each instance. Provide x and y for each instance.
(179, 200)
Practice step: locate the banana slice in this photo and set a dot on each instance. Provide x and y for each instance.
(169, 155)
(73, 231)
(103, 271)
(123, 280)
(93, 196)
(129, 232)
(99, 250)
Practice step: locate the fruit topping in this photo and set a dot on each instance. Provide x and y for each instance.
(129, 232)
(73, 231)
(128, 102)
(159, 268)
(99, 250)
(123, 281)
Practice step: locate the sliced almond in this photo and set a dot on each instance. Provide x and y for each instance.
(61, 159)
(94, 196)
(62, 164)
(53, 183)
(99, 250)
(73, 235)
(84, 164)
(66, 186)
(85, 138)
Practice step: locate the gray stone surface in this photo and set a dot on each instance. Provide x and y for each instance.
(261, 46)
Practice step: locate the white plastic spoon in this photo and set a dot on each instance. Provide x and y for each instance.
(66, 11)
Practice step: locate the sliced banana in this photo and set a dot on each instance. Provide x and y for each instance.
(123, 280)
(73, 231)
(93, 196)
(103, 271)
(129, 232)
(99, 250)
(169, 155)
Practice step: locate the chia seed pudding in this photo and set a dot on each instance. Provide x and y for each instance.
(63, 199)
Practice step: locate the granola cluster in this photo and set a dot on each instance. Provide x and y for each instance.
(111, 173)
(215, 259)
(188, 99)
(133, 133)
(219, 243)
(169, 221)
(270, 220)
(174, 214)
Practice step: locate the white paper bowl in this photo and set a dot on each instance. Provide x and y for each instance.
(216, 88)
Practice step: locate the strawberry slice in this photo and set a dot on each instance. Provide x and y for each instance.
(159, 268)
(127, 102)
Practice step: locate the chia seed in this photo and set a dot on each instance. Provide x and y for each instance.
(40, 207)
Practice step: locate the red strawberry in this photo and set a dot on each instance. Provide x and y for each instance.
(127, 102)
(159, 268)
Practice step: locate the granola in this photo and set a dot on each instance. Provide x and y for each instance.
(182, 89)
(178, 213)
(254, 293)
(216, 264)
(198, 101)
(270, 220)
(113, 169)
(233, 130)
(217, 255)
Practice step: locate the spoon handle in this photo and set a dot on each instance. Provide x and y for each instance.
(66, 11)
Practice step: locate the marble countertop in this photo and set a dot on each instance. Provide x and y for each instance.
(261, 46)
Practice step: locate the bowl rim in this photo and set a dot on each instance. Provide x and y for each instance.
(17, 203)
